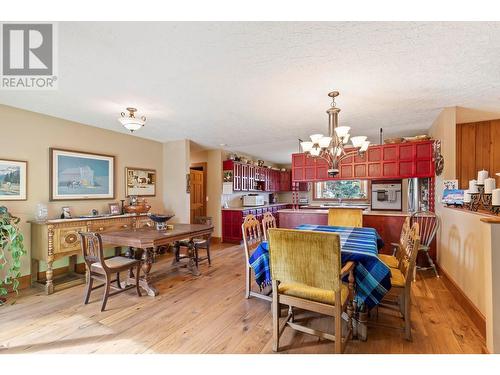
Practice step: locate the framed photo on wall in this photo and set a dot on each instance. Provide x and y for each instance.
(76, 175)
(13, 180)
(140, 182)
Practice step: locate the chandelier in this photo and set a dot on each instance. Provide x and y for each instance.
(130, 122)
(333, 148)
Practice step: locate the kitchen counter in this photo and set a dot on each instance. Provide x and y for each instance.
(254, 207)
(324, 211)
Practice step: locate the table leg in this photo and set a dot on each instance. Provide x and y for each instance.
(145, 280)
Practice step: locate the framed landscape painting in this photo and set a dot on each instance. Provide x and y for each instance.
(78, 175)
(13, 175)
(140, 182)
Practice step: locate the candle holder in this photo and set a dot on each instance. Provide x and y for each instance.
(495, 209)
(481, 199)
(475, 201)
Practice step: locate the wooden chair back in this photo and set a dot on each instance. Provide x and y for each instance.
(252, 234)
(268, 221)
(428, 223)
(345, 217)
(92, 248)
(403, 238)
(409, 255)
(305, 257)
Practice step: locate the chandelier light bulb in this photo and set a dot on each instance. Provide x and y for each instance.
(324, 142)
(306, 146)
(358, 141)
(316, 137)
(364, 147)
(342, 131)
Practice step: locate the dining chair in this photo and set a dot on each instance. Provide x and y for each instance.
(398, 247)
(102, 269)
(202, 243)
(268, 221)
(252, 238)
(401, 280)
(306, 273)
(345, 217)
(429, 224)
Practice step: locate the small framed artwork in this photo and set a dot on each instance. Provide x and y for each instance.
(450, 184)
(13, 180)
(140, 182)
(115, 209)
(76, 175)
(66, 213)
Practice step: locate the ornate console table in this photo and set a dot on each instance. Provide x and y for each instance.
(55, 239)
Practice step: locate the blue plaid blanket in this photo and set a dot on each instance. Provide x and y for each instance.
(259, 261)
(360, 245)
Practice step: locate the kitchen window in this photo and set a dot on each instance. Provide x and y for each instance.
(341, 189)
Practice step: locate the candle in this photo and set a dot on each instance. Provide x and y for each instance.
(495, 200)
(489, 185)
(466, 196)
(473, 187)
(481, 176)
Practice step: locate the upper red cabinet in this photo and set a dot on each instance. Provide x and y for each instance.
(248, 177)
(391, 161)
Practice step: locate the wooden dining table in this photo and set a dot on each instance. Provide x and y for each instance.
(147, 241)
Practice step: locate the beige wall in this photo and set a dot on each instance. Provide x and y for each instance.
(176, 160)
(465, 115)
(27, 136)
(461, 238)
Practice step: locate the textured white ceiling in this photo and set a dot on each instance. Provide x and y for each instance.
(257, 87)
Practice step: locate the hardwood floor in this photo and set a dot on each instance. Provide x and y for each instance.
(209, 314)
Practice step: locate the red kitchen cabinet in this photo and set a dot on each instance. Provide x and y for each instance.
(391, 161)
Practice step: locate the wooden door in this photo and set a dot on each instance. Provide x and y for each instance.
(197, 195)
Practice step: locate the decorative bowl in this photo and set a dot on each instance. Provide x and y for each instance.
(158, 218)
(137, 209)
(393, 140)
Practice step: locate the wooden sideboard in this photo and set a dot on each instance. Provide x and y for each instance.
(55, 239)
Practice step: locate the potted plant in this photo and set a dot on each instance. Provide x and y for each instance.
(11, 241)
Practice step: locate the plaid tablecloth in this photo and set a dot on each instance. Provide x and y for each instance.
(373, 277)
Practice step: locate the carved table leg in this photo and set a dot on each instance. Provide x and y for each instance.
(145, 280)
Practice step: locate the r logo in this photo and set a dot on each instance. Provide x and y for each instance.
(27, 49)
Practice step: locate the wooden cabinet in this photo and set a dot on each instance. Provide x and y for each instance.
(391, 161)
(232, 220)
(248, 177)
(56, 239)
(476, 149)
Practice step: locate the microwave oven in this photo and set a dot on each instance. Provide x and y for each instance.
(253, 200)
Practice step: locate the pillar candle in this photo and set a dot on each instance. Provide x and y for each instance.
(481, 176)
(495, 200)
(473, 186)
(466, 196)
(489, 185)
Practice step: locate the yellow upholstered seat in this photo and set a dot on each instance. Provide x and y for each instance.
(397, 278)
(313, 294)
(345, 217)
(390, 260)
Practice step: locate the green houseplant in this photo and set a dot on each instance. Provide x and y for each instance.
(11, 241)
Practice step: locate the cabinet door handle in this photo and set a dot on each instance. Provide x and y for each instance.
(101, 229)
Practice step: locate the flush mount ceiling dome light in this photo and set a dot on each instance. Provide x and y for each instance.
(332, 147)
(130, 122)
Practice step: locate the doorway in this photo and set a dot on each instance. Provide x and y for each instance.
(198, 188)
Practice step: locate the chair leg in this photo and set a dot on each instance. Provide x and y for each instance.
(208, 254)
(106, 293)
(338, 324)
(276, 317)
(196, 260)
(431, 262)
(137, 287)
(118, 280)
(90, 282)
(247, 282)
(407, 309)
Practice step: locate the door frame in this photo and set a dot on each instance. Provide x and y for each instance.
(203, 165)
